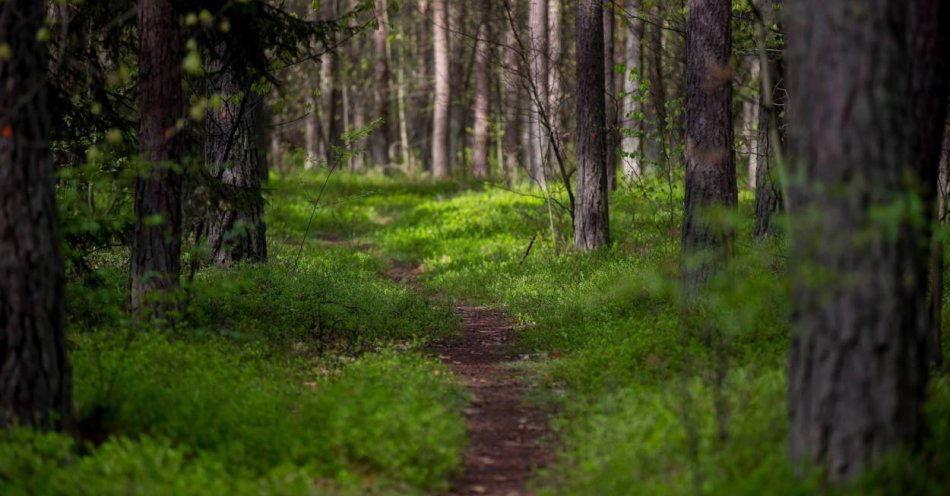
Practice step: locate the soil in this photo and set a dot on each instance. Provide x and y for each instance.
(505, 432)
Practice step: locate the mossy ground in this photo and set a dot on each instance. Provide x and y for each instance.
(308, 375)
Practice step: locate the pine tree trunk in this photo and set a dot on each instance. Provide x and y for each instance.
(442, 81)
(480, 111)
(156, 243)
(710, 157)
(591, 222)
(931, 72)
(632, 108)
(858, 365)
(382, 137)
(657, 153)
(234, 229)
(512, 95)
(35, 380)
(768, 192)
(751, 109)
(610, 87)
(538, 89)
(555, 54)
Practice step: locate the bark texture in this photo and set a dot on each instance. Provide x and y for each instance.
(480, 110)
(632, 108)
(591, 222)
(382, 137)
(538, 87)
(710, 156)
(610, 90)
(858, 363)
(234, 230)
(156, 244)
(772, 99)
(442, 82)
(35, 380)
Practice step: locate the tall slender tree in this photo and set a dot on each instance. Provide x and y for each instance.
(35, 380)
(156, 244)
(382, 137)
(480, 104)
(710, 158)
(538, 87)
(441, 165)
(591, 221)
(858, 365)
(633, 74)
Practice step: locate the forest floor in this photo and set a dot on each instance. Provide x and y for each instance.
(433, 338)
(506, 433)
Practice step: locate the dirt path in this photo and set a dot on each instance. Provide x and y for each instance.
(505, 433)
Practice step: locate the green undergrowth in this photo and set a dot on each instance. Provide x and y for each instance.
(300, 376)
(652, 396)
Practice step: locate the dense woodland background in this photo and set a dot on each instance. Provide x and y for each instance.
(717, 225)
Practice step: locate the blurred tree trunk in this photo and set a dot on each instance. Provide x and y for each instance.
(632, 108)
(710, 157)
(480, 111)
(442, 81)
(538, 94)
(657, 149)
(156, 243)
(382, 137)
(591, 222)
(512, 71)
(555, 54)
(751, 109)
(235, 140)
(35, 380)
(931, 73)
(772, 99)
(858, 363)
(613, 135)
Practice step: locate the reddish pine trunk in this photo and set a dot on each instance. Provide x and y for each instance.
(35, 381)
(156, 245)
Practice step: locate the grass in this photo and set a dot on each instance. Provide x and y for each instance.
(309, 376)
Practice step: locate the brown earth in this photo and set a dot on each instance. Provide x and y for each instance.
(505, 432)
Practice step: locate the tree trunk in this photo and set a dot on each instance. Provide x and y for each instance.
(591, 222)
(442, 82)
(35, 380)
(538, 89)
(657, 149)
(234, 230)
(858, 364)
(379, 142)
(710, 158)
(156, 243)
(480, 111)
(751, 108)
(931, 74)
(555, 53)
(632, 121)
(610, 87)
(772, 98)
(512, 89)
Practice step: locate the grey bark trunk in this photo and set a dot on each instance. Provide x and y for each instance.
(480, 110)
(858, 363)
(35, 380)
(156, 243)
(632, 109)
(382, 137)
(538, 89)
(442, 82)
(591, 221)
(234, 230)
(610, 89)
(710, 155)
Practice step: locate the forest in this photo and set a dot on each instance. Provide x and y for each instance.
(474, 247)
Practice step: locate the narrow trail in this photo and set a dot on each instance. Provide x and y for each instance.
(505, 432)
